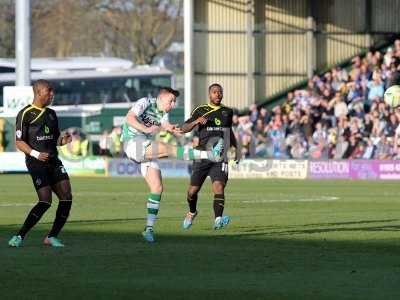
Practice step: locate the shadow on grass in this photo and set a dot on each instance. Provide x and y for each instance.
(323, 228)
(104, 263)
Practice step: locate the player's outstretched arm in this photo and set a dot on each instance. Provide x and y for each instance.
(172, 128)
(189, 125)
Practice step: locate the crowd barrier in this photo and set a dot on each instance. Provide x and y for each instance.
(14, 162)
(170, 168)
(11, 162)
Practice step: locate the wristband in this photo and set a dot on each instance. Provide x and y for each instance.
(35, 154)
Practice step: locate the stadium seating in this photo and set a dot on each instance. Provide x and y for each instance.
(339, 115)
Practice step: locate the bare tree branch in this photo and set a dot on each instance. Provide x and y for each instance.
(147, 26)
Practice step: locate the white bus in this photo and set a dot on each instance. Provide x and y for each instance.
(81, 81)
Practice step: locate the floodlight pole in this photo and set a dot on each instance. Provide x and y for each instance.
(188, 52)
(23, 43)
(250, 94)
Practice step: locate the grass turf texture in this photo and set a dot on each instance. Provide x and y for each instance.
(287, 240)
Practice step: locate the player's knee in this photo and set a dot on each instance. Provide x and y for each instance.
(218, 188)
(192, 193)
(67, 196)
(192, 196)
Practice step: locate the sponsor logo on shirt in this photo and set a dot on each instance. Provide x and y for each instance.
(217, 129)
(148, 121)
(44, 137)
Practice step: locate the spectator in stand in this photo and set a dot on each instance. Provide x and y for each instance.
(253, 113)
(351, 148)
(375, 89)
(340, 106)
(264, 116)
(369, 151)
(260, 139)
(354, 92)
(383, 148)
(391, 126)
(306, 127)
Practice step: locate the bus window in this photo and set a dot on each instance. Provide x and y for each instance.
(103, 90)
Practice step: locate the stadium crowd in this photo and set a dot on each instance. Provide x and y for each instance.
(339, 115)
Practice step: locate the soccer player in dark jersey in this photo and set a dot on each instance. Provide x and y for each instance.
(38, 135)
(214, 121)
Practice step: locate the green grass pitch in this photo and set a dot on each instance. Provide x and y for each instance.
(287, 240)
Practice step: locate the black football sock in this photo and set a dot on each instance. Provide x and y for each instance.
(219, 202)
(192, 201)
(33, 217)
(64, 206)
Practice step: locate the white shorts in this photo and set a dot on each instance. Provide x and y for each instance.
(149, 164)
(135, 150)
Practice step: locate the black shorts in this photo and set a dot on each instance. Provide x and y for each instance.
(203, 168)
(47, 174)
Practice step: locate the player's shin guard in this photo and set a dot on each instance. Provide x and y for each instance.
(153, 205)
(219, 202)
(188, 153)
(63, 209)
(192, 201)
(33, 217)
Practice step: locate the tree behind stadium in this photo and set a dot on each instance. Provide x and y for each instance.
(140, 30)
(133, 29)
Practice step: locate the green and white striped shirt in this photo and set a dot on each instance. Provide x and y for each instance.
(147, 114)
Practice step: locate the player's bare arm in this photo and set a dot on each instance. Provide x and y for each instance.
(187, 127)
(172, 128)
(132, 120)
(24, 147)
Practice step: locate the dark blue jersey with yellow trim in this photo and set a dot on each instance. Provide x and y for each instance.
(219, 124)
(38, 127)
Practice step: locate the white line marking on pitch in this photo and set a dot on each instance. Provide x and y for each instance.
(319, 199)
(16, 204)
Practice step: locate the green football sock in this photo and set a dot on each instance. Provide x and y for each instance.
(188, 153)
(153, 205)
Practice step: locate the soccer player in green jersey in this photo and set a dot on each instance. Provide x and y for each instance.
(146, 117)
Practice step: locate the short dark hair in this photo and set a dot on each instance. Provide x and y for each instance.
(166, 89)
(41, 83)
(214, 85)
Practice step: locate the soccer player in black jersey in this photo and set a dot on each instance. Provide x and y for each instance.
(38, 135)
(214, 121)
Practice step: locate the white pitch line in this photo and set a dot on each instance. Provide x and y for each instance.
(16, 204)
(320, 199)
